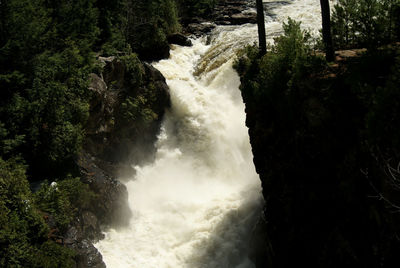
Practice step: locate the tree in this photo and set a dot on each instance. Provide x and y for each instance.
(326, 30)
(261, 28)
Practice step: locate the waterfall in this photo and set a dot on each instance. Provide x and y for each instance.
(196, 204)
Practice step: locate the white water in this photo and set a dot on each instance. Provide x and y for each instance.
(195, 205)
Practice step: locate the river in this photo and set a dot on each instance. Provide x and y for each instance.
(196, 204)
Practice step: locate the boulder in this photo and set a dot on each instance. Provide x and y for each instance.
(179, 39)
(87, 256)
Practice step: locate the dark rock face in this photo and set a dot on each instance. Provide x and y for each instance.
(111, 204)
(241, 18)
(102, 106)
(112, 142)
(179, 39)
(109, 208)
(154, 53)
(199, 29)
(88, 255)
(109, 149)
(316, 174)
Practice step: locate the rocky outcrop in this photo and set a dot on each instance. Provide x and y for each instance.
(110, 138)
(321, 184)
(112, 144)
(110, 207)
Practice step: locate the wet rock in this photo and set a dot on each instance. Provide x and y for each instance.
(72, 236)
(162, 90)
(241, 18)
(102, 106)
(91, 226)
(179, 39)
(87, 255)
(223, 22)
(114, 143)
(199, 29)
(111, 203)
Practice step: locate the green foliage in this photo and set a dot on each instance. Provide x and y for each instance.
(278, 72)
(134, 69)
(24, 26)
(142, 26)
(196, 8)
(46, 55)
(58, 104)
(75, 20)
(23, 233)
(62, 199)
(8, 144)
(51, 255)
(365, 23)
(137, 108)
(47, 119)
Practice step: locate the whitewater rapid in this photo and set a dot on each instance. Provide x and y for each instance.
(196, 204)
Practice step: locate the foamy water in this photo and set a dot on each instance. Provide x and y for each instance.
(196, 204)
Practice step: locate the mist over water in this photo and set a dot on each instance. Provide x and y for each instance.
(196, 204)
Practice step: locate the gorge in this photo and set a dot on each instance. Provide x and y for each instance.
(197, 203)
(158, 133)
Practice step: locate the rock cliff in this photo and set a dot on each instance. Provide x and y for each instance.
(114, 142)
(324, 178)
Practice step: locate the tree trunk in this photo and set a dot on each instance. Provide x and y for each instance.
(261, 28)
(326, 30)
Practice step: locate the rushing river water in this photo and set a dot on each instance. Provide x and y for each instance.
(196, 204)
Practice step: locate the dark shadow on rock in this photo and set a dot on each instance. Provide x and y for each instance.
(228, 244)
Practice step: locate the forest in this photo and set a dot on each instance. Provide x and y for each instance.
(331, 129)
(47, 51)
